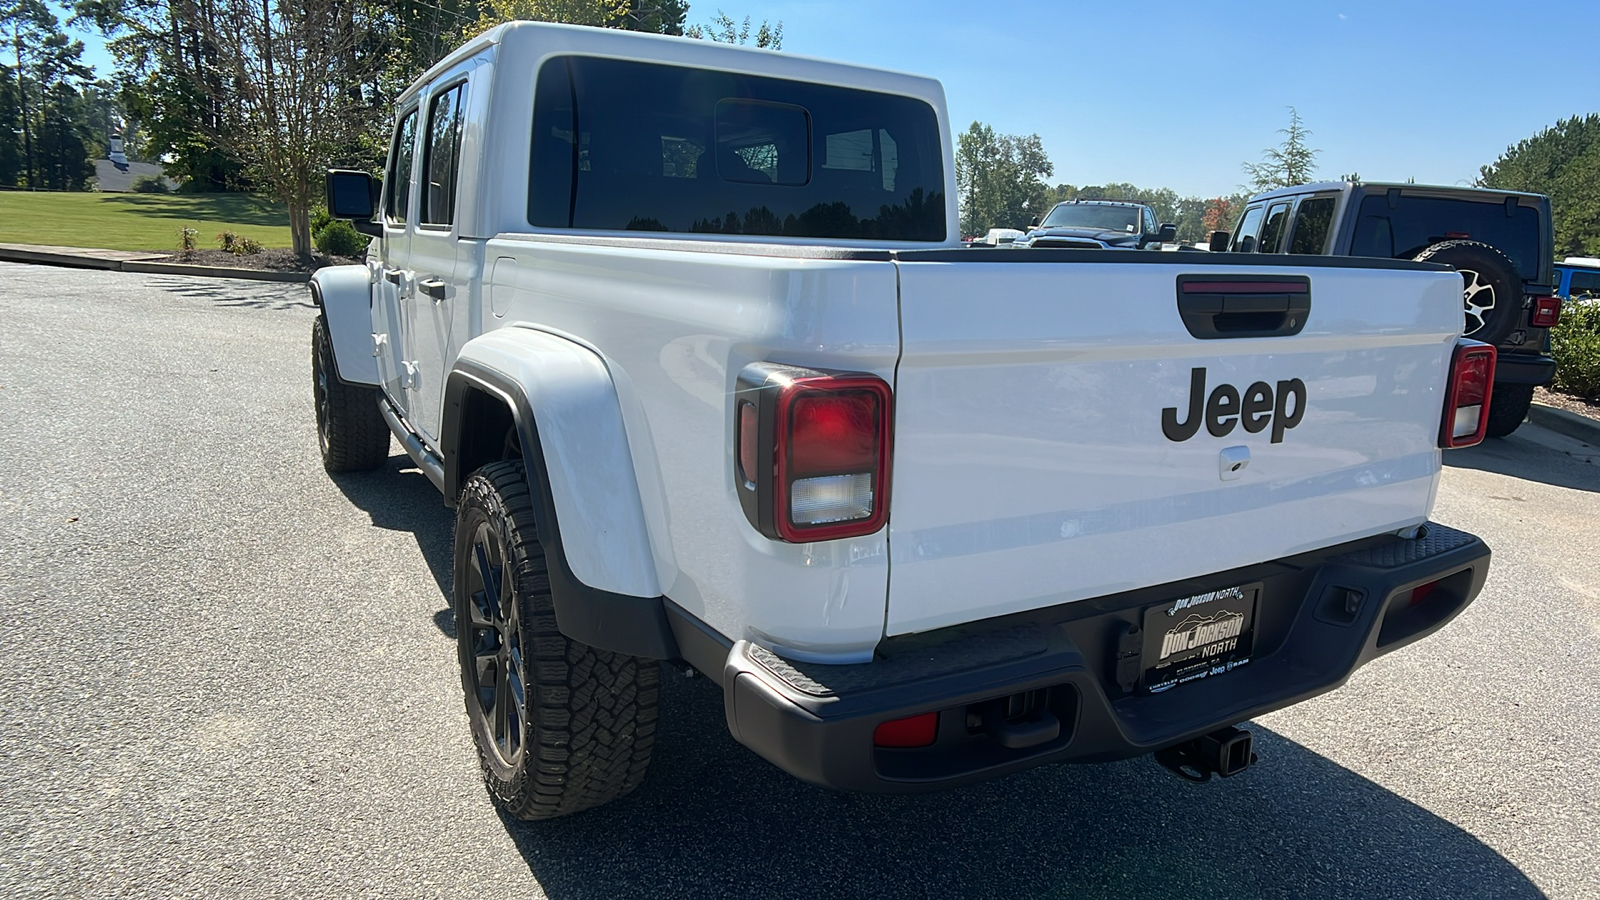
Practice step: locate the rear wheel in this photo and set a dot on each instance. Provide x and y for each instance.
(1491, 287)
(1508, 406)
(351, 432)
(560, 726)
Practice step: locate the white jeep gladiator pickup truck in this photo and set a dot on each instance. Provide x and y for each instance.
(684, 334)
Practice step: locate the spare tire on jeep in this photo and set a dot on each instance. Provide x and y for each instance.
(1491, 290)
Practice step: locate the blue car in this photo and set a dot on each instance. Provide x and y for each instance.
(1577, 277)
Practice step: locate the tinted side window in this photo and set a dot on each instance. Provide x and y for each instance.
(443, 159)
(1584, 284)
(1311, 223)
(1277, 222)
(1249, 228)
(400, 159)
(622, 145)
(1419, 222)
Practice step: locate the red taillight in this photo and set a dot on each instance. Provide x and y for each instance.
(1546, 312)
(831, 434)
(1466, 407)
(912, 731)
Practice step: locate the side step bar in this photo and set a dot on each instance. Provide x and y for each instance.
(431, 465)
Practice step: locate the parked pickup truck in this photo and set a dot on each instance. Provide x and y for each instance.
(1097, 225)
(1498, 240)
(684, 334)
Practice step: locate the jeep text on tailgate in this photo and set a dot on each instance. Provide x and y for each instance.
(683, 333)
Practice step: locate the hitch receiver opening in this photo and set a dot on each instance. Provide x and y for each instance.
(1226, 752)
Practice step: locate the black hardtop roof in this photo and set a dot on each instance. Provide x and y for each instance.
(1431, 190)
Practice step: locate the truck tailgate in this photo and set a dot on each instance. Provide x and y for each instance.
(1031, 462)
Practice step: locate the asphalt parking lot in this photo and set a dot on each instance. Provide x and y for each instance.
(223, 673)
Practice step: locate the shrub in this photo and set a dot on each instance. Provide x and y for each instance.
(228, 241)
(187, 236)
(249, 246)
(150, 184)
(319, 220)
(340, 238)
(1575, 343)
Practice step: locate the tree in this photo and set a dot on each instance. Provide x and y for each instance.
(724, 30)
(1000, 178)
(652, 16)
(172, 84)
(1562, 161)
(1288, 164)
(290, 73)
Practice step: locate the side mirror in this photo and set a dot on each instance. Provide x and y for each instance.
(1219, 241)
(1034, 222)
(1167, 234)
(353, 195)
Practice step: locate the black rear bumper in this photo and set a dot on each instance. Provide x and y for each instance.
(1524, 368)
(1318, 618)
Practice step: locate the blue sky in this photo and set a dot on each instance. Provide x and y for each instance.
(1171, 94)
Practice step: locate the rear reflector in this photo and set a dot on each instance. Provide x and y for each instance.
(913, 731)
(747, 444)
(1421, 592)
(1546, 312)
(1466, 407)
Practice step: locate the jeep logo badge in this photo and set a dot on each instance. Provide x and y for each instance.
(1258, 406)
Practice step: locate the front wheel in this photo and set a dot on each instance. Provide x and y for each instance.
(560, 726)
(1508, 407)
(351, 432)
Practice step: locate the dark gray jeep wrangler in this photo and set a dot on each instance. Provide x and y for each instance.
(1500, 242)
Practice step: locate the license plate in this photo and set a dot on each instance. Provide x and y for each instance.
(1199, 636)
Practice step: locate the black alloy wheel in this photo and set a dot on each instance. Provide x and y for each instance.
(497, 692)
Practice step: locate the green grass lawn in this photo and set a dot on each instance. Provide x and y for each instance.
(137, 221)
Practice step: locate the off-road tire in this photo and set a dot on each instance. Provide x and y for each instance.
(1485, 271)
(1508, 406)
(351, 432)
(588, 720)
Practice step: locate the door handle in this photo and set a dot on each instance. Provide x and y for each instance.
(433, 287)
(394, 276)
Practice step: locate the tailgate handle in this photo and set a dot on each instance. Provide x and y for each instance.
(1243, 306)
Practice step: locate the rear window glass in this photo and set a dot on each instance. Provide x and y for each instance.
(1419, 222)
(1311, 223)
(629, 146)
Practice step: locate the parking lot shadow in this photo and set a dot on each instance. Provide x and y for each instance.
(1531, 457)
(714, 820)
(399, 497)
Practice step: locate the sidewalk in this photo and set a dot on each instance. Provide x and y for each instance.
(132, 261)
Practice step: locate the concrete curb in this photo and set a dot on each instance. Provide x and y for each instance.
(1562, 422)
(154, 268)
(89, 261)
